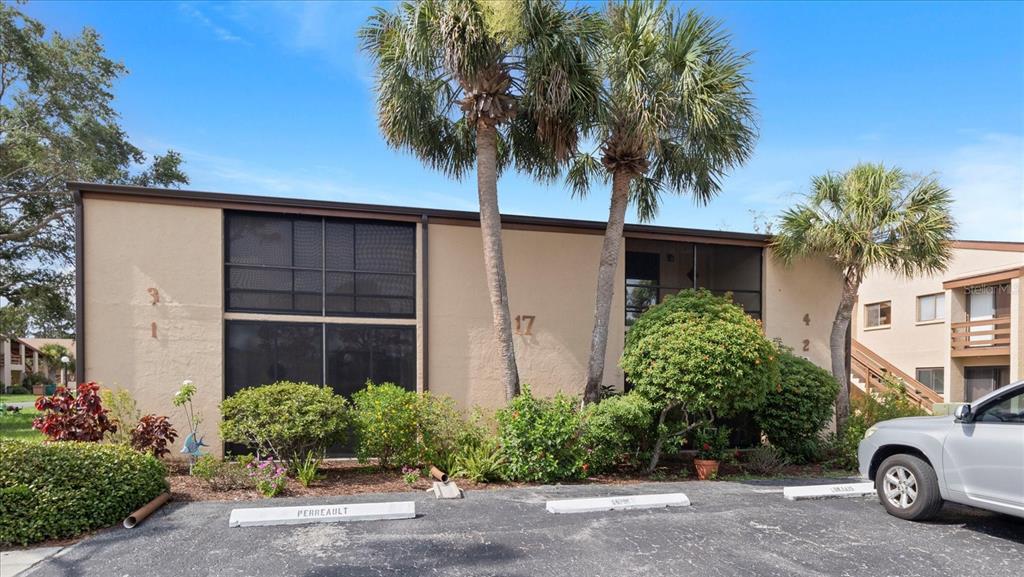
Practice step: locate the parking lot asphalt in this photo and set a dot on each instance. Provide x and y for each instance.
(731, 529)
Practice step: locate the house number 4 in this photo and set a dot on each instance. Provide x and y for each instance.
(524, 320)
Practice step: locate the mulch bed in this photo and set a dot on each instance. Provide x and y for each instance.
(345, 477)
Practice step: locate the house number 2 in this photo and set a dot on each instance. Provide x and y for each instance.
(528, 321)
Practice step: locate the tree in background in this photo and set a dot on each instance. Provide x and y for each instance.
(676, 114)
(495, 83)
(871, 216)
(57, 124)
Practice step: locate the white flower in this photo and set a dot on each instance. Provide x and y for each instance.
(186, 382)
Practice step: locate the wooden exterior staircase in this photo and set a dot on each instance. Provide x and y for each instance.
(871, 370)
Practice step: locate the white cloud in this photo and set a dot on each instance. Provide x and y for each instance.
(987, 181)
(192, 11)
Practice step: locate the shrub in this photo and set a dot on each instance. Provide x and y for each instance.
(30, 379)
(386, 419)
(62, 489)
(18, 390)
(798, 406)
(223, 475)
(285, 420)
(617, 431)
(765, 460)
(123, 411)
(308, 470)
(482, 461)
(68, 417)
(152, 434)
(542, 438)
(867, 411)
(698, 356)
(444, 429)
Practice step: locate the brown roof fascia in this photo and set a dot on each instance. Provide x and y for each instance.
(404, 213)
(1005, 246)
(984, 279)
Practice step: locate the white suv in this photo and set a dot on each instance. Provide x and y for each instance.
(975, 457)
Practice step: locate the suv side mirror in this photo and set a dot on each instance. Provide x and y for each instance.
(963, 413)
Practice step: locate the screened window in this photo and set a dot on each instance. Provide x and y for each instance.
(312, 265)
(264, 352)
(732, 269)
(657, 268)
(932, 377)
(261, 353)
(931, 307)
(356, 353)
(878, 314)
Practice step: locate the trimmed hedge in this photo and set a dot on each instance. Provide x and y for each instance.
(798, 407)
(60, 490)
(285, 419)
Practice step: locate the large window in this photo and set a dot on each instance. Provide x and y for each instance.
(878, 314)
(933, 378)
(656, 269)
(261, 352)
(319, 266)
(931, 307)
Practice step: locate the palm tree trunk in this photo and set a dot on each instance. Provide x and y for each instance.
(839, 350)
(606, 284)
(494, 261)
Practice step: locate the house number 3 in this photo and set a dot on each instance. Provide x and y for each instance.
(524, 320)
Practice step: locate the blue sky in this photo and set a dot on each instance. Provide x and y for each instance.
(275, 99)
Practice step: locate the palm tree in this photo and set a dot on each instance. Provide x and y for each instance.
(869, 217)
(675, 116)
(493, 83)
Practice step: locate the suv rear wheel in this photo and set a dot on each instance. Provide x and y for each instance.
(908, 488)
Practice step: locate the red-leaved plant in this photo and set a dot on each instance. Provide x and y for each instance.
(152, 435)
(74, 417)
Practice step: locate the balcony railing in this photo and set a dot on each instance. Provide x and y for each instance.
(980, 337)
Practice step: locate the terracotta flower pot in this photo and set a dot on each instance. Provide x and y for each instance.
(706, 469)
(38, 390)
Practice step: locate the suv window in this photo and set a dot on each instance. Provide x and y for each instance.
(1008, 410)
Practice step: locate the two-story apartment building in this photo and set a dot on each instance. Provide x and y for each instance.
(959, 334)
(235, 291)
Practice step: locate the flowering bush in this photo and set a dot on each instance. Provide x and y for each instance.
(410, 475)
(152, 435)
(268, 476)
(70, 417)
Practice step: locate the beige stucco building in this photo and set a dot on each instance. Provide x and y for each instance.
(959, 333)
(233, 291)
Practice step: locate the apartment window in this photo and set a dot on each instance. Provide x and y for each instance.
(933, 378)
(656, 269)
(931, 307)
(319, 266)
(878, 314)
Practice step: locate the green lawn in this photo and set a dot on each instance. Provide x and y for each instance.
(17, 398)
(19, 425)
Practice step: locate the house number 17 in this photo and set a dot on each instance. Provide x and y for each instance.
(524, 320)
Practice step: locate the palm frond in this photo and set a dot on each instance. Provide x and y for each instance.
(871, 216)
